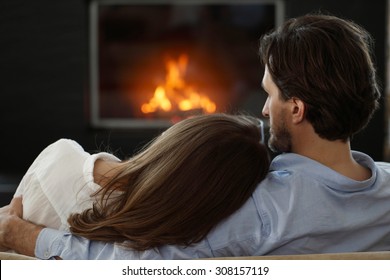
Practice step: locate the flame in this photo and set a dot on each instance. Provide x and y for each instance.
(176, 94)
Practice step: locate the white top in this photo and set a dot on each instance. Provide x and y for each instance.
(58, 183)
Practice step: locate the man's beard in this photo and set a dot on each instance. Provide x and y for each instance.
(280, 137)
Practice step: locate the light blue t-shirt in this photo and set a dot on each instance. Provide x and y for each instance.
(302, 207)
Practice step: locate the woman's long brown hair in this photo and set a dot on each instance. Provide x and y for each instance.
(176, 190)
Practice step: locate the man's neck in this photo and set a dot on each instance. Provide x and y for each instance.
(333, 154)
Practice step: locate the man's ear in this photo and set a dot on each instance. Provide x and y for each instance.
(298, 110)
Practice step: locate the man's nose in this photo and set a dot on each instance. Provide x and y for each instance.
(265, 110)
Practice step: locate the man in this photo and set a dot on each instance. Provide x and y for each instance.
(319, 196)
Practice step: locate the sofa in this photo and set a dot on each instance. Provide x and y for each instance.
(383, 255)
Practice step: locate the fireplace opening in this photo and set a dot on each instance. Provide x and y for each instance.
(153, 63)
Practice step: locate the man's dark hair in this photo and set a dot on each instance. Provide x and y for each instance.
(326, 62)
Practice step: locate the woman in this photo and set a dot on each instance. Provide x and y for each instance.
(195, 174)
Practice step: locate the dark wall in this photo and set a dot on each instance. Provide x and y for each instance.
(43, 57)
(44, 85)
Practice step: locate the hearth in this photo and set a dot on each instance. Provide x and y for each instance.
(153, 63)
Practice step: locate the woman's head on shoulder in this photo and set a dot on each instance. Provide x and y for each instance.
(195, 174)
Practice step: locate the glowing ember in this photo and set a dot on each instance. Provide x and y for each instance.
(176, 94)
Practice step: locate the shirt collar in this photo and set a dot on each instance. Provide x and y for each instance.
(291, 163)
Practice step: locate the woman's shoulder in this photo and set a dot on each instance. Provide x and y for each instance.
(62, 148)
(66, 144)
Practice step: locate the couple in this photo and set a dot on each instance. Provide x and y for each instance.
(318, 196)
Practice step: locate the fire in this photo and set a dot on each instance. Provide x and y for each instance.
(176, 94)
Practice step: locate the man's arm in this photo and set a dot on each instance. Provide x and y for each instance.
(16, 233)
(45, 243)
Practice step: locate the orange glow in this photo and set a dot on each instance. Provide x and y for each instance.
(176, 94)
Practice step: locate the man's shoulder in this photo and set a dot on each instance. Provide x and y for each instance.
(383, 164)
(383, 168)
(367, 161)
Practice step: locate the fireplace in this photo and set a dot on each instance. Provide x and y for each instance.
(153, 63)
